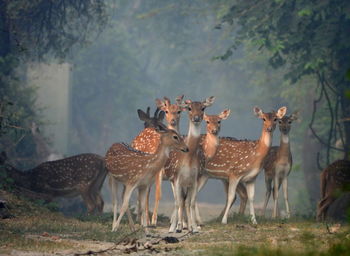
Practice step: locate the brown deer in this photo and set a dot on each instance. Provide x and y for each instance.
(183, 169)
(240, 161)
(82, 175)
(148, 141)
(334, 180)
(136, 169)
(278, 164)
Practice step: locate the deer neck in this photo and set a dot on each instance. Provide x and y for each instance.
(193, 138)
(175, 128)
(20, 178)
(264, 143)
(284, 148)
(211, 143)
(161, 156)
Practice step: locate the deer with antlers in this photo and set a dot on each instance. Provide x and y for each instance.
(240, 161)
(82, 175)
(278, 164)
(136, 169)
(334, 180)
(148, 140)
(183, 169)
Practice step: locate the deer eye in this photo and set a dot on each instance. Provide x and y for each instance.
(275, 119)
(166, 111)
(203, 108)
(280, 121)
(189, 109)
(264, 119)
(179, 112)
(207, 122)
(175, 137)
(289, 122)
(219, 122)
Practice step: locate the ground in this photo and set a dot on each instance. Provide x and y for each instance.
(35, 230)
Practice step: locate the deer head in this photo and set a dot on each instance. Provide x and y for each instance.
(150, 122)
(270, 119)
(172, 111)
(196, 109)
(285, 122)
(214, 121)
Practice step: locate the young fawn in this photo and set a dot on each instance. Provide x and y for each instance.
(148, 141)
(278, 164)
(183, 169)
(240, 161)
(136, 169)
(69, 177)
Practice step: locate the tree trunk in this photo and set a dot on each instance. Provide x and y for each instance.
(5, 44)
(345, 114)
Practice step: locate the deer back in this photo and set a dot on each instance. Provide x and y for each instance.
(335, 177)
(147, 141)
(67, 176)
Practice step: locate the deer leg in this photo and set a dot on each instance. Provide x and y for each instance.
(225, 183)
(180, 208)
(126, 197)
(88, 201)
(192, 195)
(241, 190)
(114, 190)
(148, 192)
(173, 215)
(231, 192)
(174, 218)
(201, 182)
(268, 184)
(143, 195)
(323, 207)
(285, 193)
(250, 191)
(275, 196)
(158, 196)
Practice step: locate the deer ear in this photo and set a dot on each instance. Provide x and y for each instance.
(295, 115)
(161, 128)
(179, 99)
(258, 112)
(209, 101)
(281, 112)
(142, 115)
(224, 114)
(161, 116)
(160, 104)
(167, 101)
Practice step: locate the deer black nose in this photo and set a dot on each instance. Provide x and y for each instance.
(173, 122)
(214, 131)
(196, 119)
(269, 129)
(185, 150)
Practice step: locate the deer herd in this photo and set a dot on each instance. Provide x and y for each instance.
(159, 152)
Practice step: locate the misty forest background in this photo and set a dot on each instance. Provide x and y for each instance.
(80, 70)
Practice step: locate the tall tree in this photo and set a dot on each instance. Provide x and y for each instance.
(310, 38)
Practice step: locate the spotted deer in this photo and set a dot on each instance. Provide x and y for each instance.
(240, 161)
(148, 141)
(137, 169)
(183, 169)
(278, 164)
(82, 175)
(334, 180)
(210, 143)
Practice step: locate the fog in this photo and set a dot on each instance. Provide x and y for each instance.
(154, 49)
